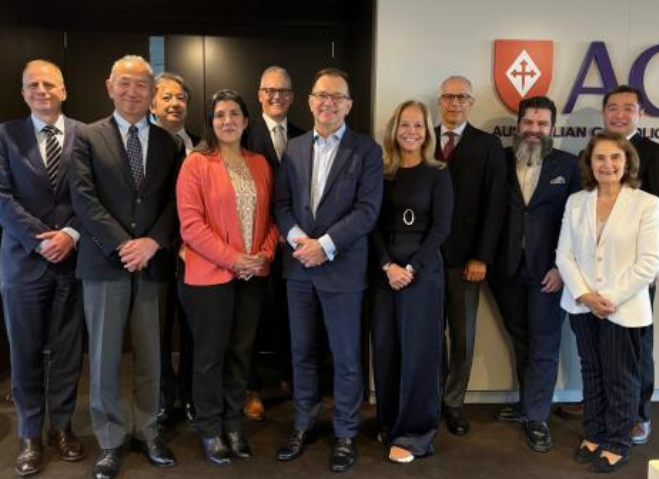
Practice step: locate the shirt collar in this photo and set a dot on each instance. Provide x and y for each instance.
(458, 130)
(270, 123)
(125, 124)
(333, 138)
(39, 125)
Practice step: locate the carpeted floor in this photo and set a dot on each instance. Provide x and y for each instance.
(491, 451)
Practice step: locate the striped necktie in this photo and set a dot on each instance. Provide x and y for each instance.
(53, 154)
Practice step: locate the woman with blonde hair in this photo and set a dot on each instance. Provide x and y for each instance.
(406, 322)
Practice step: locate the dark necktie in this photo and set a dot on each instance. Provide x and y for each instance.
(53, 154)
(134, 150)
(447, 151)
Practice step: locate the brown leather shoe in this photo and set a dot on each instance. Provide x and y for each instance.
(67, 444)
(572, 411)
(254, 408)
(30, 457)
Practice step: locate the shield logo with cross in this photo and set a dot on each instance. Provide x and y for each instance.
(522, 69)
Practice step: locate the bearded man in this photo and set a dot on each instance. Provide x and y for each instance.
(525, 282)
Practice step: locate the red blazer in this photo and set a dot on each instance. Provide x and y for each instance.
(210, 228)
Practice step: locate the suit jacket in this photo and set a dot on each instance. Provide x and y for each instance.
(28, 204)
(213, 236)
(532, 230)
(347, 211)
(624, 262)
(648, 153)
(478, 171)
(260, 140)
(112, 211)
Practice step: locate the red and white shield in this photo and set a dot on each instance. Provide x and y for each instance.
(522, 69)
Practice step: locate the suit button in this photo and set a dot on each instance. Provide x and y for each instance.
(599, 258)
(56, 226)
(599, 280)
(138, 201)
(133, 225)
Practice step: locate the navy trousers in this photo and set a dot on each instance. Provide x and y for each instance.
(406, 331)
(341, 314)
(610, 370)
(40, 314)
(534, 321)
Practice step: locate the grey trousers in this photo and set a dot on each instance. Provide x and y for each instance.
(461, 310)
(109, 305)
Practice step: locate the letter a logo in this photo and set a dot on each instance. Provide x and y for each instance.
(522, 68)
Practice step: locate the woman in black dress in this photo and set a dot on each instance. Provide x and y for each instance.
(408, 296)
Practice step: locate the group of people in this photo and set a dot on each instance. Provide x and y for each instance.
(138, 222)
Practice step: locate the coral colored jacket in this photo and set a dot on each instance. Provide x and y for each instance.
(210, 228)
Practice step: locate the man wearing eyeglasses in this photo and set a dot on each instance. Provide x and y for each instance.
(327, 199)
(478, 169)
(268, 135)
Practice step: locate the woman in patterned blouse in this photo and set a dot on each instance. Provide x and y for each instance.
(229, 240)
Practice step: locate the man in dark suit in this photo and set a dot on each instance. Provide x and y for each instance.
(327, 199)
(122, 183)
(525, 281)
(622, 110)
(42, 298)
(169, 110)
(478, 169)
(268, 134)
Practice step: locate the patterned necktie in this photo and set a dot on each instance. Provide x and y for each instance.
(447, 151)
(134, 150)
(53, 154)
(279, 140)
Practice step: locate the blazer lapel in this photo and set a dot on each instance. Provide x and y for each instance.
(464, 142)
(617, 215)
(344, 152)
(30, 148)
(115, 144)
(514, 181)
(306, 156)
(591, 214)
(547, 171)
(152, 155)
(70, 130)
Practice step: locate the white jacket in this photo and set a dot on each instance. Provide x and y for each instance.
(624, 263)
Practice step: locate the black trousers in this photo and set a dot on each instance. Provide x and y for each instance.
(406, 329)
(46, 312)
(610, 370)
(534, 321)
(175, 385)
(647, 369)
(223, 319)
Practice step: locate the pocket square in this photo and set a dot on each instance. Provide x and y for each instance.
(559, 180)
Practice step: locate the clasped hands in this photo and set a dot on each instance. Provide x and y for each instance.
(55, 246)
(598, 305)
(135, 254)
(399, 277)
(309, 252)
(247, 265)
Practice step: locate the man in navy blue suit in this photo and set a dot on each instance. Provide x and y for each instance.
(42, 298)
(327, 199)
(525, 281)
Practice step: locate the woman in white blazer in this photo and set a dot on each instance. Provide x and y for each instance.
(608, 254)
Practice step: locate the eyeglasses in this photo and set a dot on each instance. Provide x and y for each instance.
(449, 97)
(325, 95)
(270, 92)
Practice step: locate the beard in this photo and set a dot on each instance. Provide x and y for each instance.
(531, 153)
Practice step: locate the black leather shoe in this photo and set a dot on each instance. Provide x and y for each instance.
(190, 413)
(510, 413)
(538, 436)
(602, 465)
(30, 457)
(107, 464)
(344, 454)
(67, 444)
(216, 451)
(295, 445)
(456, 421)
(583, 455)
(156, 451)
(165, 418)
(238, 445)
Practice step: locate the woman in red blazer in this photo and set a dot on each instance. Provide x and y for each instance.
(229, 240)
